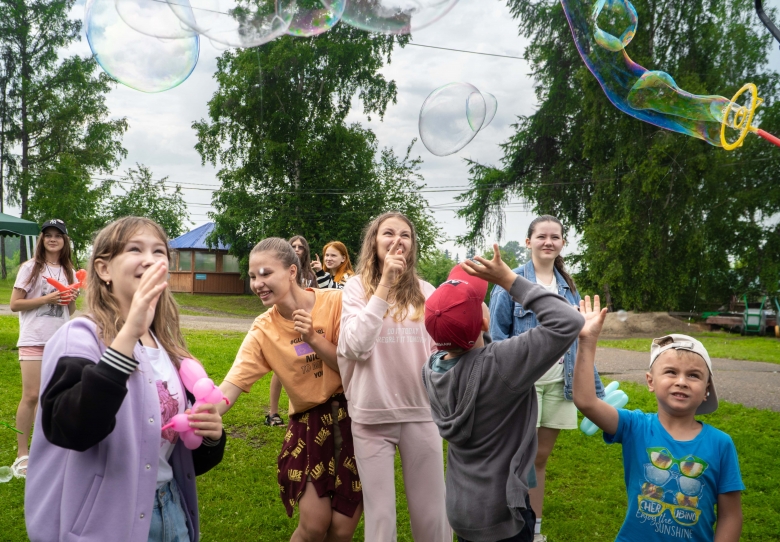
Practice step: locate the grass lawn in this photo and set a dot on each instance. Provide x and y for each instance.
(718, 344)
(585, 494)
(238, 306)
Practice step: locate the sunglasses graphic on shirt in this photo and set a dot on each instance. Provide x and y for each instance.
(683, 515)
(689, 466)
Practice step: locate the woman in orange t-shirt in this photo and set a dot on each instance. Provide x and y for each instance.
(296, 339)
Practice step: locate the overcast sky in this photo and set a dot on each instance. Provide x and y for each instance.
(160, 134)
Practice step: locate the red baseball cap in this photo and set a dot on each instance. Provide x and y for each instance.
(453, 313)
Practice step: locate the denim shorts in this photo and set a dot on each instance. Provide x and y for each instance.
(169, 523)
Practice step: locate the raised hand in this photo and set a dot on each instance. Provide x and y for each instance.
(144, 304)
(302, 324)
(395, 264)
(594, 318)
(495, 270)
(316, 265)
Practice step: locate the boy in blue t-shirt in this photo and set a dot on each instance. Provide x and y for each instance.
(676, 468)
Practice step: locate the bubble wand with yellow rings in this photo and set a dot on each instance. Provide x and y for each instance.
(740, 118)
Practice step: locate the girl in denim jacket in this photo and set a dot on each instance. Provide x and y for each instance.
(508, 318)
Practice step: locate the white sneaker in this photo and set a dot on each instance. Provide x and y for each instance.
(540, 538)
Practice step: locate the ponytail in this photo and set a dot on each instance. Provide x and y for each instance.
(561, 267)
(559, 264)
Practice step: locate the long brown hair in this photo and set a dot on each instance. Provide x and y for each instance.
(306, 276)
(407, 289)
(284, 252)
(559, 263)
(65, 261)
(102, 303)
(346, 265)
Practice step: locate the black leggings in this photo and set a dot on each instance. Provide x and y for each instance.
(526, 534)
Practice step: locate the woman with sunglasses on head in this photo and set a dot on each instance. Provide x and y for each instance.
(42, 309)
(338, 268)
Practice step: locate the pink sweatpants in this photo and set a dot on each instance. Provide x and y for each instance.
(422, 459)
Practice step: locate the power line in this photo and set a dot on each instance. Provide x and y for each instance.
(464, 51)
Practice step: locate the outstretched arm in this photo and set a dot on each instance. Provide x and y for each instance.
(604, 415)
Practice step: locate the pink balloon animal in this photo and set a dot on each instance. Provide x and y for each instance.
(205, 391)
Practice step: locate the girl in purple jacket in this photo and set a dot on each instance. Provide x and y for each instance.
(100, 467)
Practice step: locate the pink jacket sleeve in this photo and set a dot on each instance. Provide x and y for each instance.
(361, 322)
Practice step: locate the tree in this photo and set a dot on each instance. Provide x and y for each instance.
(666, 221)
(69, 193)
(152, 199)
(520, 254)
(289, 164)
(435, 266)
(56, 107)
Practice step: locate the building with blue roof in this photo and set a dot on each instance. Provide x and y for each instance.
(198, 268)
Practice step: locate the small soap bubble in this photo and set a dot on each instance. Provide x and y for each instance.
(236, 24)
(451, 117)
(622, 315)
(5, 474)
(395, 16)
(618, 17)
(313, 17)
(139, 61)
(491, 107)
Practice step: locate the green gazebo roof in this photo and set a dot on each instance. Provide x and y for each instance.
(17, 226)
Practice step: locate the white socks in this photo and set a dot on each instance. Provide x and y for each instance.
(538, 527)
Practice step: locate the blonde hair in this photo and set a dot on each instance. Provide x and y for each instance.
(406, 292)
(346, 265)
(103, 305)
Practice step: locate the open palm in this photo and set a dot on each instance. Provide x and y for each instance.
(594, 317)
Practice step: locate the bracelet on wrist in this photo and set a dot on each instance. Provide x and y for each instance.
(385, 285)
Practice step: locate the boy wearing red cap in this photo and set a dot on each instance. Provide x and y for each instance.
(483, 398)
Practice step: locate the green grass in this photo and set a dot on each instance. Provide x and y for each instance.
(238, 306)
(585, 501)
(718, 345)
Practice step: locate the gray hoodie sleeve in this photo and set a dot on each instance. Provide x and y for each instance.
(523, 359)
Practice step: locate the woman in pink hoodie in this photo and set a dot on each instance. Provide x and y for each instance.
(381, 351)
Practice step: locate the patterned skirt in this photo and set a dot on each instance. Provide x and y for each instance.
(318, 448)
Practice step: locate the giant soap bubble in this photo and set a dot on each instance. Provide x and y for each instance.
(139, 61)
(155, 18)
(236, 24)
(452, 116)
(313, 17)
(395, 16)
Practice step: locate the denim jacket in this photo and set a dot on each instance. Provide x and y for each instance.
(508, 318)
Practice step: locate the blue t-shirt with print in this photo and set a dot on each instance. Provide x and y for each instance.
(672, 486)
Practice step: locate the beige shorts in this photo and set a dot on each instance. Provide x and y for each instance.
(555, 412)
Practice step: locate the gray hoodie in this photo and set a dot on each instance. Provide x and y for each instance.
(485, 407)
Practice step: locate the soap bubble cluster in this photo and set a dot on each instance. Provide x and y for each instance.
(153, 45)
(453, 115)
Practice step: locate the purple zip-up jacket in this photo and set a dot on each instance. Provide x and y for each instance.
(92, 472)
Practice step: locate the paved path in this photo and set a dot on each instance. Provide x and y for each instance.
(187, 322)
(750, 383)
